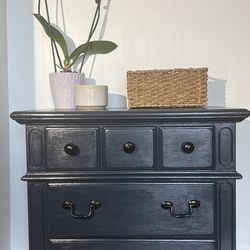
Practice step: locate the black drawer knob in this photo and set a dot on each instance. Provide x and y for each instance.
(71, 149)
(129, 147)
(187, 147)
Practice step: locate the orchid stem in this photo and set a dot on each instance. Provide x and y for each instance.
(91, 32)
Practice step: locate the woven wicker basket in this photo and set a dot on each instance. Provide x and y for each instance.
(167, 88)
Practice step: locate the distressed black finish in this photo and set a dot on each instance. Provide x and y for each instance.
(71, 148)
(131, 179)
(198, 155)
(137, 207)
(119, 155)
(132, 244)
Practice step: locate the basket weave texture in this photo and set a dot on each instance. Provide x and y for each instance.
(167, 88)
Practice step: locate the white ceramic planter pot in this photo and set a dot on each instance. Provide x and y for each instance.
(62, 85)
(91, 97)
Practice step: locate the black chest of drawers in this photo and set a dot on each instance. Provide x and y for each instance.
(131, 179)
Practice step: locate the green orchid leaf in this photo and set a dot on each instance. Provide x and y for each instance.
(94, 47)
(55, 34)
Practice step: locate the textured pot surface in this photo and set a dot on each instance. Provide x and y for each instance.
(62, 87)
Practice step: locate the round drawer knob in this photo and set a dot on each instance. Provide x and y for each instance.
(71, 149)
(187, 147)
(129, 147)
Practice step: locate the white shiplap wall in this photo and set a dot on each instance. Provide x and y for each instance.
(150, 34)
(21, 87)
(4, 135)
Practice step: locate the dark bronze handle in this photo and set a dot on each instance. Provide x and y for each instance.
(129, 147)
(191, 204)
(71, 149)
(187, 147)
(92, 206)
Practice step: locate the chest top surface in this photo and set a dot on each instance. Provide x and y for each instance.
(209, 114)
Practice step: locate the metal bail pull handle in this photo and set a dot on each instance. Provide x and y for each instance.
(168, 205)
(92, 206)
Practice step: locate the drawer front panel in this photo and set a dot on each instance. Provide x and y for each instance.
(128, 148)
(71, 148)
(133, 245)
(129, 210)
(187, 147)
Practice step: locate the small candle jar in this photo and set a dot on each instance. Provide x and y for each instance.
(91, 97)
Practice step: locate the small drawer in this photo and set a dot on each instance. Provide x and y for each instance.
(131, 244)
(71, 148)
(187, 147)
(129, 210)
(129, 147)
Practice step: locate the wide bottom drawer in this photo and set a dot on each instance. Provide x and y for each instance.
(131, 245)
(140, 210)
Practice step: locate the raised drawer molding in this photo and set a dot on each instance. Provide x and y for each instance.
(71, 148)
(131, 179)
